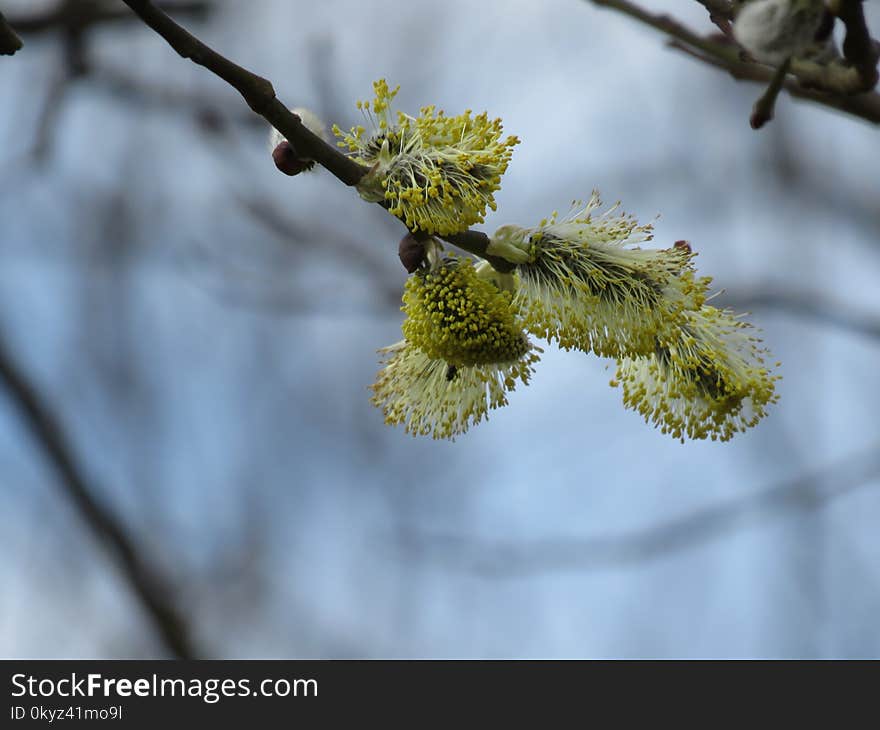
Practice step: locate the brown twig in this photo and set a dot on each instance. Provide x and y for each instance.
(9, 40)
(762, 111)
(141, 577)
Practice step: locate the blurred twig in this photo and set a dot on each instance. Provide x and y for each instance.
(212, 115)
(268, 215)
(858, 46)
(810, 306)
(139, 574)
(720, 13)
(804, 493)
(83, 14)
(74, 20)
(832, 85)
(9, 40)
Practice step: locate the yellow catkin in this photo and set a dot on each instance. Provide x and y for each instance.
(712, 380)
(454, 315)
(584, 284)
(429, 397)
(438, 174)
(464, 350)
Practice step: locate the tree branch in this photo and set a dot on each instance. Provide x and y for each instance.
(9, 40)
(832, 85)
(260, 97)
(140, 576)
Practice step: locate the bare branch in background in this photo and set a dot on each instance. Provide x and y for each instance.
(212, 115)
(330, 242)
(142, 578)
(858, 46)
(504, 560)
(9, 40)
(809, 306)
(74, 20)
(68, 15)
(833, 85)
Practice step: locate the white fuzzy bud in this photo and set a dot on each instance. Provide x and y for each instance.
(285, 155)
(774, 30)
(310, 120)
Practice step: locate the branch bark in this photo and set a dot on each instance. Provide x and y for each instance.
(810, 306)
(142, 579)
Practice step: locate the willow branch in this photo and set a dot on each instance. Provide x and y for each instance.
(260, 96)
(139, 574)
(833, 85)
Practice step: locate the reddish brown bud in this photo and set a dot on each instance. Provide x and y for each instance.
(682, 246)
(411, 252)
(287, 161)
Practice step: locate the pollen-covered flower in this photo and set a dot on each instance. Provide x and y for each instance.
(711, 381)
(456, 316)
(584, 283)
(431, 397)
(774, 30)
(464, 349)
(436, 173)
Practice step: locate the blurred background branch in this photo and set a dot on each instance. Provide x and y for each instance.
(79, 16)
(147, 587)
(807, 305)
(498, 559)
(75, 22)
(9, 40)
